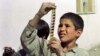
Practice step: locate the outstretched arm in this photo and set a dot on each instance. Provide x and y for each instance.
(45, 8)
(29, 39)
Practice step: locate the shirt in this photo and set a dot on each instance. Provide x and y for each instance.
(36, 46)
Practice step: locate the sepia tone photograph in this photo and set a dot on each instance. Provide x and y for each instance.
(49, 28)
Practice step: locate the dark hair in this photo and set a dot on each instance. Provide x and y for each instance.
(8, 51)
(76, 19)
(22, 52)
(43, 29)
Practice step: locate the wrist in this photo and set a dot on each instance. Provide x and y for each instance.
(60, 52)
(39, 14)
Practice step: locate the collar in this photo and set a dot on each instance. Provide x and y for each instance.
(74, 50)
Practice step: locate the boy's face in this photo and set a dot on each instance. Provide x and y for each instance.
(66, 31)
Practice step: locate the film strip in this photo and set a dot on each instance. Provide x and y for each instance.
(52, 23)
(53, 14)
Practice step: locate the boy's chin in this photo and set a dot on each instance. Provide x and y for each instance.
(63, 40)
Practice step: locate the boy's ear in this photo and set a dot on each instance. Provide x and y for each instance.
(79, 32)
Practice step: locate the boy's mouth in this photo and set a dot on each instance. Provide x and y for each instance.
(62, 34)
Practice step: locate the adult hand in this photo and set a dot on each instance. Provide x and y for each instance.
(45, 8)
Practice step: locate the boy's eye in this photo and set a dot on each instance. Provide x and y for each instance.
(60, 25)
(66, 25)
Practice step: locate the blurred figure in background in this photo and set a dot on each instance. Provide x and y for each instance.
(8, 51)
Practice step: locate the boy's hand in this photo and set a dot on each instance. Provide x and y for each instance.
(45, 8)
(56, 45)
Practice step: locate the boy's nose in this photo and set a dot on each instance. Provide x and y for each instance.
(62, 28)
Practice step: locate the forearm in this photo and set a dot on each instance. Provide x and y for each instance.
(61, 54)
(45, 8)
(35, 20)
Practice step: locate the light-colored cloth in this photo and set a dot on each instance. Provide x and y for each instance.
(36, 46)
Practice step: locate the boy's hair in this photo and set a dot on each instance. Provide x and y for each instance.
(43, 29)
(76, 19)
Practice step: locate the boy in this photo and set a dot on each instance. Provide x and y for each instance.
(70, 28)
